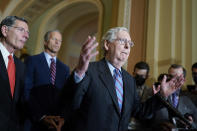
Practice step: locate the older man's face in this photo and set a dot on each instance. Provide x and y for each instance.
(118, 51)
(17, 34)
(54, 43)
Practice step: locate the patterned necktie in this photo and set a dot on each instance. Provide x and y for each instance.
(119, 87)
(175, 99)
(11, 73)
(53, 71)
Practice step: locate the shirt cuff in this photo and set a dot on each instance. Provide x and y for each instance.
(77, 78)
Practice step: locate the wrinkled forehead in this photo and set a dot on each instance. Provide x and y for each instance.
(123, 34)
(19, 23)
(176, 71)
(55, 34)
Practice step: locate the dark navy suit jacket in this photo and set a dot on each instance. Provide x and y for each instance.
(42, 98)
(95, 103)
(11, 109)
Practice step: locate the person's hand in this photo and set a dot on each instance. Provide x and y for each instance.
(53, 122)
(49, 121)
(189, 117)
(155, 89)
(167, 88)
(60, 122)
(86, 55)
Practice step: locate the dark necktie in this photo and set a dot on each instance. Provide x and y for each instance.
(119, 87)
(53, 71)
(11, 73)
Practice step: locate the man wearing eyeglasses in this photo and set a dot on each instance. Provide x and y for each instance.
(13, 35)
(45, 77)
(103, 94)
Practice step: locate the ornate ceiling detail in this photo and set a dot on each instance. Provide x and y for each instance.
(32, 9)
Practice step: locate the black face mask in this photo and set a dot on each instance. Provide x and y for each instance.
(139, 80)
(195, 79)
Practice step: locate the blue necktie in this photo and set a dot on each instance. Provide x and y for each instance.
(175, 99)
(53, 71)
(119, 87)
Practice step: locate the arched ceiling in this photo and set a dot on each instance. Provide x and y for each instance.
(32, 9)
(3, 4)
(71, 13)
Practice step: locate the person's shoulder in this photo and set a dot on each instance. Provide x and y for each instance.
(184, 98)
(62, 64)
(16, 59)
(32, 57)
(126, 73)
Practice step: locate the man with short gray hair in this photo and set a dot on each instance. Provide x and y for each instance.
(14, 33)
(45, 77)
(104, 95)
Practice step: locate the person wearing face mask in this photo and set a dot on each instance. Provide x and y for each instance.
(140, 73)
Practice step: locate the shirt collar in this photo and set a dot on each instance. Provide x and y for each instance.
(4, 51)
(111, 67)
(48, 57)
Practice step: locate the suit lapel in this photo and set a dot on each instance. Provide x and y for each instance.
(17, 77)
(44, 64)
(58, 71)
(3, 70)
(107, 79)
(126, 91)
(4, 75)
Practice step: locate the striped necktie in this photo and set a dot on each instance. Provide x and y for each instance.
(175, 99)
(119, 87)
(53, 71)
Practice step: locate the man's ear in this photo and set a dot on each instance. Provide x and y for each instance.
(106, 45)
(45, 43)
(147, 76)
(4, 30)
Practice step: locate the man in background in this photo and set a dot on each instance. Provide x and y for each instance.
(14, 33)
(180, 102)
(192, 89)
(45, 77)
(140, 74)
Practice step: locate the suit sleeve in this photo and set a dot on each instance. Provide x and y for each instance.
(145, 110)
(76, 91)
(32, 106)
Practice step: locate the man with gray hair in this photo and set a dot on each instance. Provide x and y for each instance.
(45, 77)
(14, 33)
(104, 94)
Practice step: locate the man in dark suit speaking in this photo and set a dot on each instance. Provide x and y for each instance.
(104, 94)
(14, 33)
(45, 77)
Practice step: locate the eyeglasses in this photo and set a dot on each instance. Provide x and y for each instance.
(21, 29)
(122, 41)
